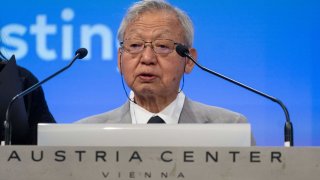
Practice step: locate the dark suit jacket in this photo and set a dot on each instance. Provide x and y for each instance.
(32, 109)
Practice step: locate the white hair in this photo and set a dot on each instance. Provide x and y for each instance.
(141, 7)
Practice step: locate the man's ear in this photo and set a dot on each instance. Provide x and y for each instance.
(120, 51)
(189, 64)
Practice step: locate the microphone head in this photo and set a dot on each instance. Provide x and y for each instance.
(182, 50)
(81, 53)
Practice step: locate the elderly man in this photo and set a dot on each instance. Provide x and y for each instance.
(150, 66)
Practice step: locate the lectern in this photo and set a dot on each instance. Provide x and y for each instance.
(156, 162)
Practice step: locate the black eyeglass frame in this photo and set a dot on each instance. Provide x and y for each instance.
(151, 45)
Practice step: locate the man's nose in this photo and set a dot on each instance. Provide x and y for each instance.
(148, 55)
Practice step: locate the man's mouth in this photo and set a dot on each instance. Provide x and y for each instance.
(147, 77)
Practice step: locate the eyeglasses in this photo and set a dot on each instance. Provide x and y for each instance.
(159, 46)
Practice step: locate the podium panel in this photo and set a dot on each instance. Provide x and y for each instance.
(177, 135)
(188, 163)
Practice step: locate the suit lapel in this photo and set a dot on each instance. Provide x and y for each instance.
(188, 115)
(125, 114)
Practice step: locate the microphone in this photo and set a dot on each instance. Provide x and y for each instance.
(80, 53)
(183, 51)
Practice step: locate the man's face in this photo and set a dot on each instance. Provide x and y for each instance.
(149, 74)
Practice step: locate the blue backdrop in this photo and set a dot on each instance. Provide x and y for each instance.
(271, 45)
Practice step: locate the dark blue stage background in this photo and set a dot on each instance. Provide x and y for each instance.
(271, 45)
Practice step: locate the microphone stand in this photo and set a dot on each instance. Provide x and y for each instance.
(288, 128)
(80, 53)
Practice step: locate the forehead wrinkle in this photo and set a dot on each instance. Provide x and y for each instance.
(162, 24)
(156, 33)
(163, 31)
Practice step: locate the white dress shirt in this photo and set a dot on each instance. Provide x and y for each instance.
(170, 114)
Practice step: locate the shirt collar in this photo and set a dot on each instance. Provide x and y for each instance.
(169, 114)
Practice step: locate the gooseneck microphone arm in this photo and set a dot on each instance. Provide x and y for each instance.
(80, 53)
(288, 128)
